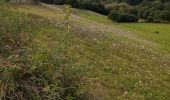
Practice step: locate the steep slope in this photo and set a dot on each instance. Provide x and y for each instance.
(134, 31)
(106, 61)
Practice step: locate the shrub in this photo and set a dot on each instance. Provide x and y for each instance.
(114, 15)
(94, 6)
(48, 1)
(134, 2)
(73, 3)
(164, 16)
(149, 19)
(127, 18)
(118, 17)
(146, 13)
(59, 2)
(133, 11)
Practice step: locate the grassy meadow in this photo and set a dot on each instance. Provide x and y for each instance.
(45, 56)
(156, 32)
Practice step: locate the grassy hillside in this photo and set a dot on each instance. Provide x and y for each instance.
(156, 32)
(96, 60)
(123, 10)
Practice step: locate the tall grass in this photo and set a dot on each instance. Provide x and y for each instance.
(45, 59)
(25, 73)
(30, 70)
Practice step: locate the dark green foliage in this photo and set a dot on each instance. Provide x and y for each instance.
(149, 19)
(114, 15)
(133, 11)
(60, 2)
(127, 18)
(131, 2)
(149, 10)
(93, 5)
(53, 1)
(73, 3)
(154, 11)
(164, 16)
(129, 9)
(134, 2)
(121, 17)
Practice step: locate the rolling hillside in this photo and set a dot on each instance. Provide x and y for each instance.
(89, 59)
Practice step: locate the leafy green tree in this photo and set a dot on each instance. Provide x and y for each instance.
(73, 3)
(127, 18)
(146, 13)
(114, 15)
(60, 2)
(133, 11)
(134, 2)
(164, 16)
(149, 19)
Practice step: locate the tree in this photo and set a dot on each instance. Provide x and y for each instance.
(164, 16)
(133, 2)
(114, 15)
(149, 19)
(59, 2)
(133, 11)
(127, 18)
(73, 3)
(146, 13)
(48, 1)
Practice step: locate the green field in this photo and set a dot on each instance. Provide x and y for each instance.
(158, 33)
(101, 60)
(155, 32)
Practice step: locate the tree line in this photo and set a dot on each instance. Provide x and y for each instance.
(147, 10)
(93, 5)
(124, 10)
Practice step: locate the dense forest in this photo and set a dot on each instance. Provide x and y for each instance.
(124, 10)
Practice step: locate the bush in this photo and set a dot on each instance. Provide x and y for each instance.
(149, 19)
(94, 6)
(134, 2)
(146, 13)
(133, 11)
(59, 2)
(114, 15)
(128, 18)
(118, 17)
(48, 1)
(164, 16)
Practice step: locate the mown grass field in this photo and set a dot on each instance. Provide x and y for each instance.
(102, 65)
(156, 32)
